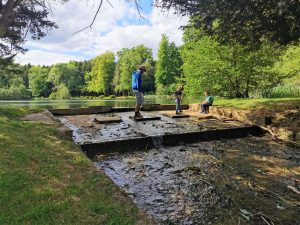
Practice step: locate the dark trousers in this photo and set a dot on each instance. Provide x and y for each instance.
(205, 107)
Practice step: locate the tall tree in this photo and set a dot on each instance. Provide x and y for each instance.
(12, 85)
(243, 21)
(19, 18)
(38, 81)
(228, 70)
(99, 80)
(289, 64)
(129, 61)
(67, 74)
(168, 66)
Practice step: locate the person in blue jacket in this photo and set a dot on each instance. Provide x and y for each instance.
(137, 89)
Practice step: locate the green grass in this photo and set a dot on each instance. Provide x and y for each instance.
(284, 91)
(256, 103)
(45, 179)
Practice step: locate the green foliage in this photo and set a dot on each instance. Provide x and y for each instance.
(227, 70)
(62, 92)
(289, 67)
(20, 20)
(257, 103)
(244, 22)
(129, 61)
(99, 80)
(12, 84)
(289, 64)
(68, 74)
(285, 91)
(168, 66)
(38, 81)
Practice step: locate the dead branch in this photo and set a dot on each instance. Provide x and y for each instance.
(136, 2)
(95, 16)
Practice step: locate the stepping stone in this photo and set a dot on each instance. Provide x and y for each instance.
(106, 119)
(145, 118)
(173, 115)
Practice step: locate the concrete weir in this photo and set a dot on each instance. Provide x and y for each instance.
(106, 129)
(192, 170)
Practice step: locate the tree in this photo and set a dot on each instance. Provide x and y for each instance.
(129, 61)
(61, 92)
(38, 81)
(99, 80)
(227, 70)
(168, 66)
(289, 64)
(80, 68)
(12, 85)
(243, 21)
(19, 18)
(68, 74)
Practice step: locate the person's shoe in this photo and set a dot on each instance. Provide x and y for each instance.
(138, 115)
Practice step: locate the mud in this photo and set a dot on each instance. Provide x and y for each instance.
(241, 181)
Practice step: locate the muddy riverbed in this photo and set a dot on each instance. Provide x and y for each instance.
(252, 180)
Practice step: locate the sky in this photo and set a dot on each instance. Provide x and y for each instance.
(116, 27)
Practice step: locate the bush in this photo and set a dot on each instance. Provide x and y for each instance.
(15, 93)
(285, 91)
(62, 92)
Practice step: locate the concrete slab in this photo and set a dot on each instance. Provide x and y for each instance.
(130, 134)
(169, 139)
(81, 111)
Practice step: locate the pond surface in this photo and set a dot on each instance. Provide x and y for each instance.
(78, 103)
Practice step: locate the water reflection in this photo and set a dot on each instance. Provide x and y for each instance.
(59, 104)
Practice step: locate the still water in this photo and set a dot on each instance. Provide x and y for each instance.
(76, 103)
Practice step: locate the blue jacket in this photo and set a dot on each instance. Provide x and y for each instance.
(137, 81)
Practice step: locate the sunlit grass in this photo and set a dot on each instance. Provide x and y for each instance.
(45, 179)
(256, 103)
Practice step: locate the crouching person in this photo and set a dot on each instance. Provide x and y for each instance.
(206, 103)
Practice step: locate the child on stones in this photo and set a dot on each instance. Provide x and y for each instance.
(178, 96)
(206, 103)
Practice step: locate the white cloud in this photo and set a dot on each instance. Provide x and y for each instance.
(41, 57)
(114, 29)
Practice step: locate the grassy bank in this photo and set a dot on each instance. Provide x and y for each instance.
(45, 179)
(257, 103)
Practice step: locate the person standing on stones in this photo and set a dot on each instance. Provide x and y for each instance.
(137, 89)
(178, 96)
